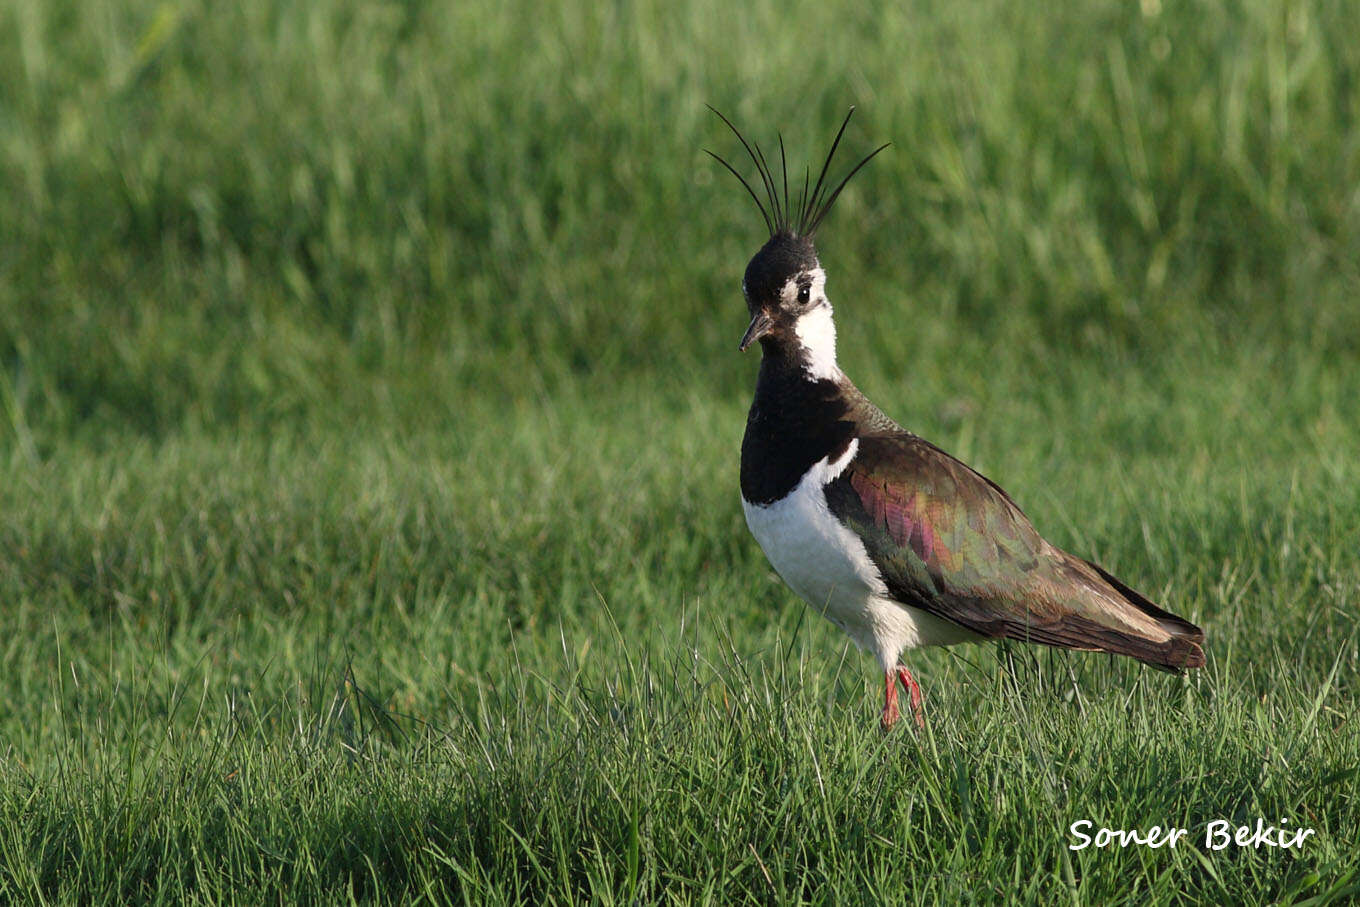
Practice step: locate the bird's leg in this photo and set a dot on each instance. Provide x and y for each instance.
(913, 690)
(890, 713)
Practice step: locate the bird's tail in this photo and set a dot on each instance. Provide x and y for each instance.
(1184, 647)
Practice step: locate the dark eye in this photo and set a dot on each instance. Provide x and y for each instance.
(804, 293)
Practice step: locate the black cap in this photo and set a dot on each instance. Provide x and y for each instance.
(783, 256)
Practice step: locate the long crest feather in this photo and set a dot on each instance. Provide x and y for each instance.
(784, 171)
(770, 192)
(802, 199)
(812, 208)
(772, 223)
(805, 216)
(808, 229)
(769, 224)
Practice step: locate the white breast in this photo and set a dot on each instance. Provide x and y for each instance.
(828, 565)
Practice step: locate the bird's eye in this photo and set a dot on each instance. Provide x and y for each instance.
(804, 293)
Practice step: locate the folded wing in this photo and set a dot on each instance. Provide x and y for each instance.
(950, 542)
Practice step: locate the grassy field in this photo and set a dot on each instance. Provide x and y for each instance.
(369, 426)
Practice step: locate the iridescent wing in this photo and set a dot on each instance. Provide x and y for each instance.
(949, 541)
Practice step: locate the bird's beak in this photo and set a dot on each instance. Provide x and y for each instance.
(760, 326)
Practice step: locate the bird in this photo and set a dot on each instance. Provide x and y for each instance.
(895, 541)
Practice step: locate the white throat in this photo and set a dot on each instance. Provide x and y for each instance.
(817, 334)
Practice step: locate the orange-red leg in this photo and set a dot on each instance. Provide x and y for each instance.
(914, 691)
(890, 711)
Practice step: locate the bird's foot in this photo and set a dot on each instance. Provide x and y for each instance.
(890, 710)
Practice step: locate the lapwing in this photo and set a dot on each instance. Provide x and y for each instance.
(895, 541)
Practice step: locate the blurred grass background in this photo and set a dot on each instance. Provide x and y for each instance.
(289, 208)
(379, 359)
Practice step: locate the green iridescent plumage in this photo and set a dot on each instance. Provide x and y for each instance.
(949, 541)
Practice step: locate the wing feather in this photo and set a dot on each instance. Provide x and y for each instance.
(953, 543)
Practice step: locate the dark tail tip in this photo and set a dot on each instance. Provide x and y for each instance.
(1182, 652)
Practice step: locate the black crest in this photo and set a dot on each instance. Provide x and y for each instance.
(778, 215)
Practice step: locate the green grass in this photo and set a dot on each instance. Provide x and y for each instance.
(369, 417)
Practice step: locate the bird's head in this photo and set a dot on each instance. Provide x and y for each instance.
(784, 284)
(785, 289)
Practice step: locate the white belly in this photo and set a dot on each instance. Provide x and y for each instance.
(828, 566)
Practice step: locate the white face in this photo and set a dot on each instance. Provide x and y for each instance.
(806, 290)
(806, 296)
